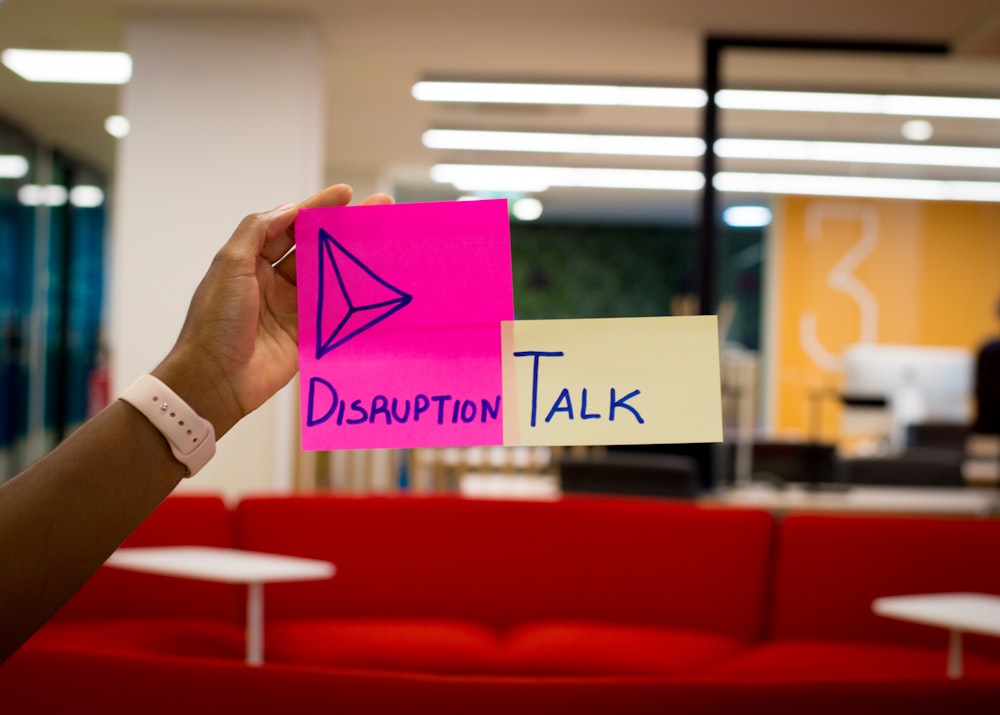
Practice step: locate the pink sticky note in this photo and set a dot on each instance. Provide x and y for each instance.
(400, 311)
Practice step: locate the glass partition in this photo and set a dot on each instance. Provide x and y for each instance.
(881, 173)
(52, 248)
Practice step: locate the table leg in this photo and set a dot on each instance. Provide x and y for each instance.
(955, 654)
(255, 624)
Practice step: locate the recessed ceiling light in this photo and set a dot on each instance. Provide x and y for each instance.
(527, 209)
(917, 130)
(71, 67)
(117, 126)
(747, 216)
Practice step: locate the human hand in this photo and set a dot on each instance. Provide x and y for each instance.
(239, 342)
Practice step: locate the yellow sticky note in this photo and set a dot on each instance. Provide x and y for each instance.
(611, 381)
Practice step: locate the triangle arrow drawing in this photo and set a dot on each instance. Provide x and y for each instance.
(352, 297)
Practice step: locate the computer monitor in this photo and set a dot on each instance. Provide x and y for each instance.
(941, 376)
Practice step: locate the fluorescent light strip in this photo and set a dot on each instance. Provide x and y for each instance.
(859, 152)
(535, 179)
(526, 93)
(758, 100)
(835, 102)
(858, 186)
(70, 67)
(562, 143)
(774, 149)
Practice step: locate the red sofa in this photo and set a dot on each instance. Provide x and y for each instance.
(583, 605)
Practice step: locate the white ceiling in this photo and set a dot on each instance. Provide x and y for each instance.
(376, 51)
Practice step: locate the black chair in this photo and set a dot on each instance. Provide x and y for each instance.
(638, 474)
(938, 435)
(782, 462)
(920, 467)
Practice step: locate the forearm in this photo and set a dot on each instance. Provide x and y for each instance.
(61, 518)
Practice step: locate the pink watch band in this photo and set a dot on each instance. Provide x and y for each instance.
(190, 436)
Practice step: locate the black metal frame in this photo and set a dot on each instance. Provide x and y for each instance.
(714, 48)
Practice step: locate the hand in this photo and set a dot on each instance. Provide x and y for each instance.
(239, 342)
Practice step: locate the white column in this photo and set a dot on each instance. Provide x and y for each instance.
(227, 116)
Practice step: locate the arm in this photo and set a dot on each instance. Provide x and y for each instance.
(62, 517)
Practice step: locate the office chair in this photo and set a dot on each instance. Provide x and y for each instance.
(924, 467)
(662, 475)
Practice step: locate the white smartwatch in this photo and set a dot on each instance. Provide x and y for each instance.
(190, 436)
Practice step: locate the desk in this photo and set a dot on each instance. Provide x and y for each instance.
(941, 501)
(227, 566)
(958, 612)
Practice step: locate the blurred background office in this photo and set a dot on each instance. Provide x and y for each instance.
(847, 235)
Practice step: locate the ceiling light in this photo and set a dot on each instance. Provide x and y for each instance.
(844, 103)
(535, 179)
(747, 216)
(858, 152)
(527, 209)
(553, 142)
(117, 126)
(473, 178)
(530, 93)
(35, 195)
(86, 196)
(858, 186)
(73, 67)
(761, 100)
(771, 149)
(917, 130)
(13, 166)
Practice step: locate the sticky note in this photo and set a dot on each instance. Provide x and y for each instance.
(612, 381)
(400, 313)
(407, 338)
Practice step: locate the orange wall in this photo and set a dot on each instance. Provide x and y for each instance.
(853, 270)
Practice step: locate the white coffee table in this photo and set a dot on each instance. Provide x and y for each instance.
(958, 612)
(235, 566)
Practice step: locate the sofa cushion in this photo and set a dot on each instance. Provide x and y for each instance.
(193, 637)
(584, 648)
(648, 562)
(828, 659)
(829, 569)
(179, 520)
(387, 644)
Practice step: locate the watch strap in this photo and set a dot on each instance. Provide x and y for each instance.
(190, 436)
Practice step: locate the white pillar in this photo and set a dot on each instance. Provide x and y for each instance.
(227, 116)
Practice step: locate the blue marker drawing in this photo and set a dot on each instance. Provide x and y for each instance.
(381, 298)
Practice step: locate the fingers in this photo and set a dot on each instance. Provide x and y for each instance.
(336, 195)
(279, 233)
(377, 199)
(283, 260)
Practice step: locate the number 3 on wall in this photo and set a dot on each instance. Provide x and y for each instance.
(841, 279)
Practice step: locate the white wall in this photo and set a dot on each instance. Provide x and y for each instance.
(227, 119)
